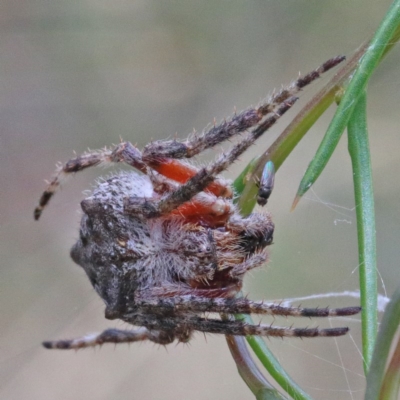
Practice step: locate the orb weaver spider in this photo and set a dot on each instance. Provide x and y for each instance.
(163, 247)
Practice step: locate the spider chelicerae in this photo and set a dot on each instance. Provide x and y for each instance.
(166, 245)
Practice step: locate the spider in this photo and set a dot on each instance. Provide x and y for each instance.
(165, 246)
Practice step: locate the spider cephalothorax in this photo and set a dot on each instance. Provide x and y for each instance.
(163, 246)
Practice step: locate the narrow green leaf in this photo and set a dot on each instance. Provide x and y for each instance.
(365, 212)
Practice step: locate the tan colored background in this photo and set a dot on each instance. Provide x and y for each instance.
(78, 74)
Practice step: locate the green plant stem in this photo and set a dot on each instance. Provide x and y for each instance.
(376, 374)
(365, 211)
(376, 49)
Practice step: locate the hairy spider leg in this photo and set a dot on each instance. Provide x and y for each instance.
(111, 336)
(205, 208)
(206, 175)
(123, 152)
(198, 304)
(180, 171)
(196, 143)
(183, 329)
(240, 328)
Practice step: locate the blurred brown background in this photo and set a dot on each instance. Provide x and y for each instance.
(79, 74)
